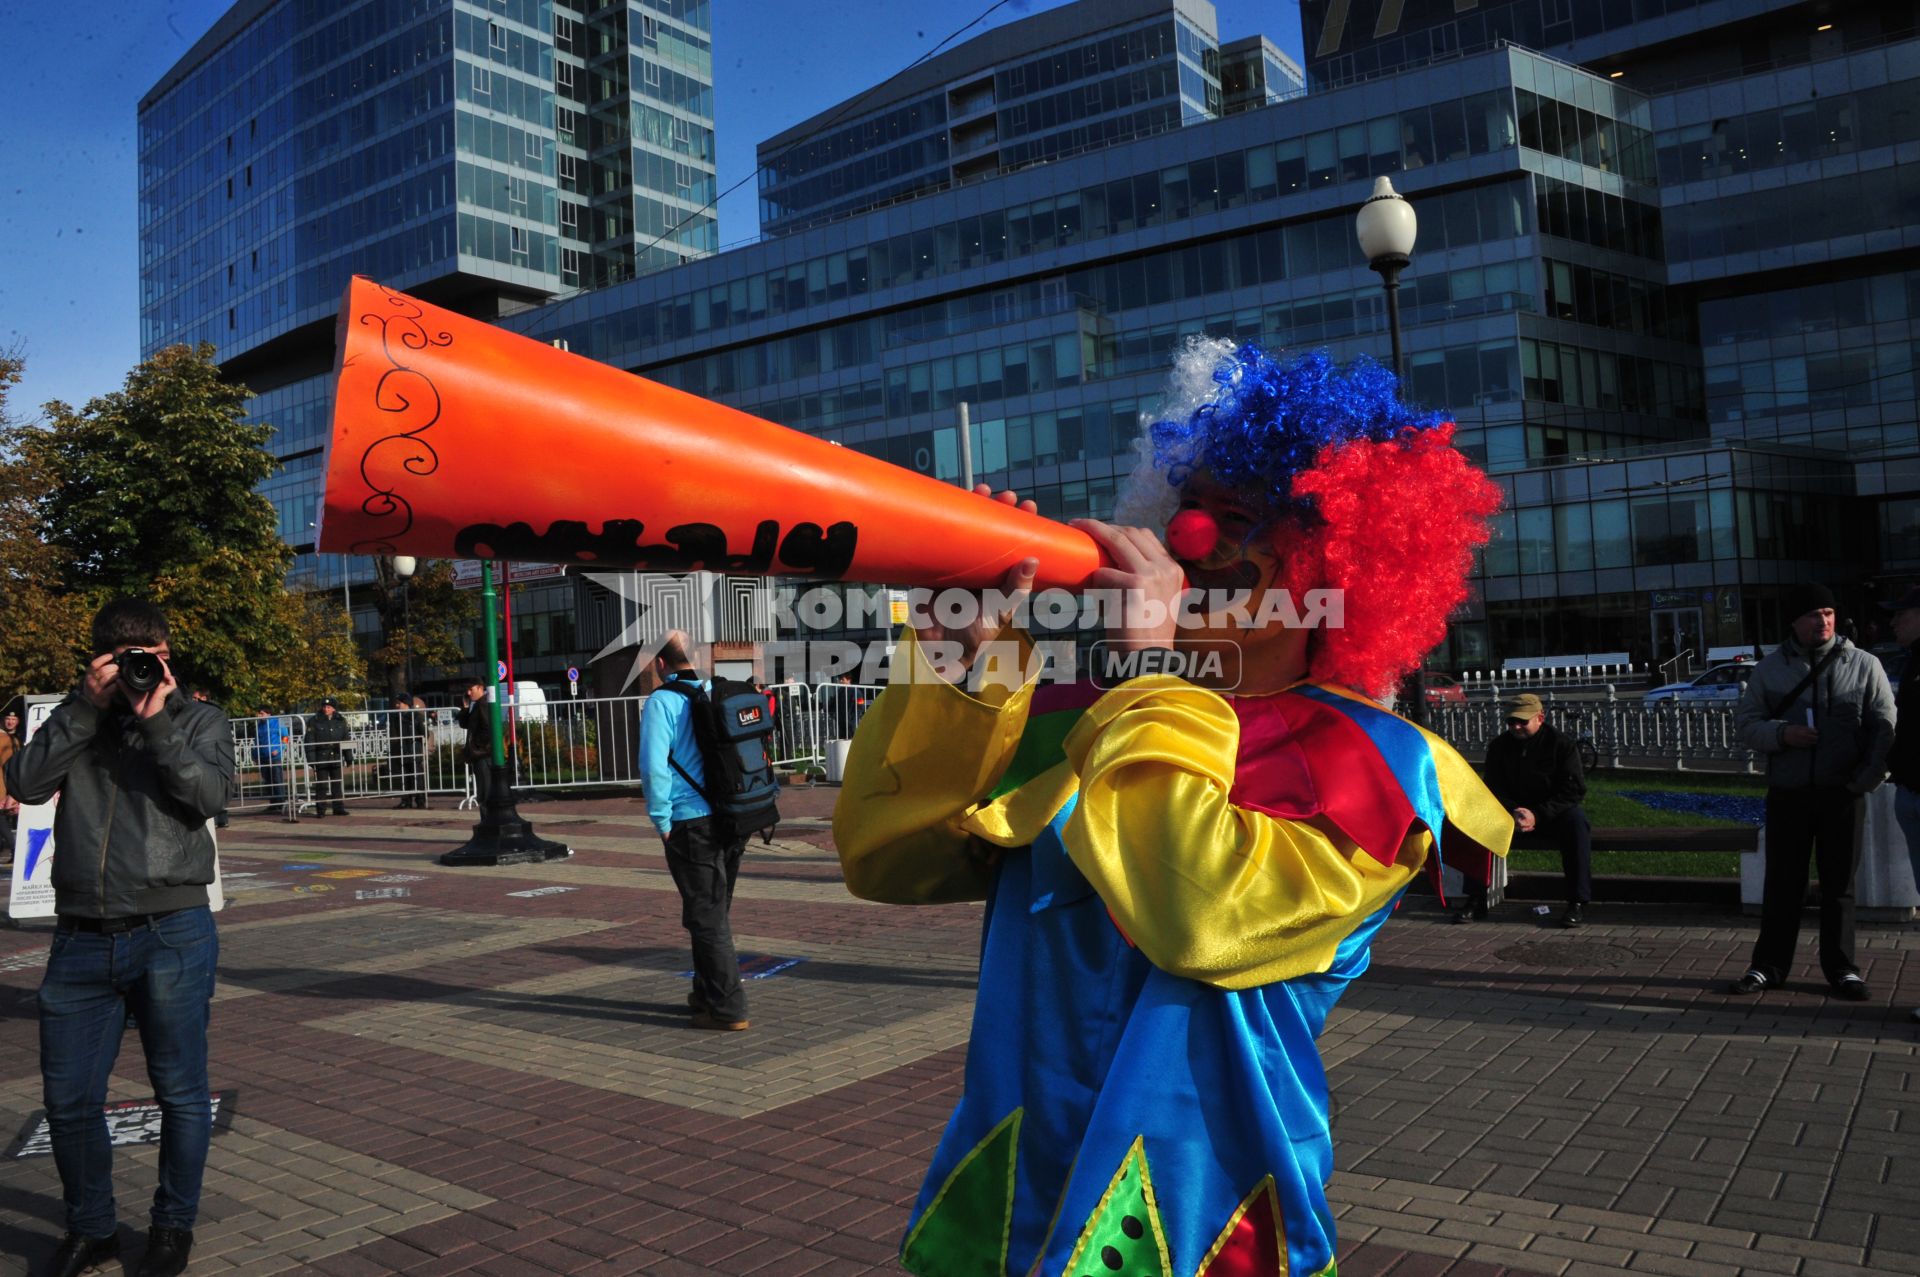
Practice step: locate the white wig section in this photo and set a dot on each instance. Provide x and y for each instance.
(1146, 499)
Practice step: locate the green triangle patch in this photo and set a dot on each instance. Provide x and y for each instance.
(966, 1228)
(1124, 1235)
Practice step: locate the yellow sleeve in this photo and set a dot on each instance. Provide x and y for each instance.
(1207, 890)
(923, 760)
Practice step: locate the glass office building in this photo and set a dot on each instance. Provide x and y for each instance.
(486, 155)
(1071, 79)
(1666, 292)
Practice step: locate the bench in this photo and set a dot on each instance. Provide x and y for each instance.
(1687, 838)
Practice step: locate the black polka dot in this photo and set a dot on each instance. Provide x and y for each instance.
(1110, 1257)
(1132, 1227)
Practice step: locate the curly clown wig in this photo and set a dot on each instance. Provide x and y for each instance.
(1366, 495)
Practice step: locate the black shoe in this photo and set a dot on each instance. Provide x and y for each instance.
(1851, 988)
(1464, 915)
(78, 1254)
(167, 1251)
(1751, 982)
(219, 822)
(1574, 916)
(341, 811)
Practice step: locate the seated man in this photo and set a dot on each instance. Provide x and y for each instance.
(1181, 878)
(1534, 770)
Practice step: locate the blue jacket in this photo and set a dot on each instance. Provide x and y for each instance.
(270, 735)
(666, 737)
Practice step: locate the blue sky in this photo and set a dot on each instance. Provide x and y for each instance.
(69, 272)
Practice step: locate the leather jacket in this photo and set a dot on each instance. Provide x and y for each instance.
(130, 833)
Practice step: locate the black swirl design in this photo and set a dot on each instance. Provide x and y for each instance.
(412, 406)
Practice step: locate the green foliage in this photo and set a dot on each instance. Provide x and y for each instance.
(158, 476)
(152, 491)
(422, 619)
(1607, 808)
(46, 639)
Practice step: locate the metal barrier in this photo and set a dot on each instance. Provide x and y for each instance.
(1621, 733)
(594, 743)
(574, 744)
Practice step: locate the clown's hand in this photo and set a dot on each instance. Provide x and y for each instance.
(954, 647)
(1146, 580)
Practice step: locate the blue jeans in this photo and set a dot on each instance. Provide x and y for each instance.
(162, 974)
(1906, 814)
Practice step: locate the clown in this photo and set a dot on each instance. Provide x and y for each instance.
(1181, 879)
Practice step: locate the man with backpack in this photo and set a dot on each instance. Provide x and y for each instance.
(1820, 711)
(709, 785)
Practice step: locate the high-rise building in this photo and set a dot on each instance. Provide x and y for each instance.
(1667, 281)
(487, 155)
(1060, 82)
(1254, 72)
(1670, 296)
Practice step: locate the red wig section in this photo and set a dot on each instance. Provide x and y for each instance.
(1400, 522)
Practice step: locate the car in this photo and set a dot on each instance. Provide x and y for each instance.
(1720, 685)
(1441, 690)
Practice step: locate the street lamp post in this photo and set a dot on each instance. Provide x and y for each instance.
(501, 837)
(1387, 227)
(403, 566)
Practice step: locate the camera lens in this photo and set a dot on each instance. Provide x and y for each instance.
(140, 669)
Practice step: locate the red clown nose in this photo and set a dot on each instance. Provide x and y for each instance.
(1192, 535)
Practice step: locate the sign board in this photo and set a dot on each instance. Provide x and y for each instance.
(32, 893)
(128, 1122)
(466, 573)
(897, 607)
(502, 667)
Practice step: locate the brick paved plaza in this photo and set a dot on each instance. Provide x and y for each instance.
(430, 1071)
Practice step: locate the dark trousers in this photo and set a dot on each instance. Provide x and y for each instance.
(327, 787)
(482, 770)
(163, 974)
(1821, 821)
(705, 869)
(1572, 836)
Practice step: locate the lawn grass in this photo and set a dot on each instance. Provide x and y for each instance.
(1608, 808)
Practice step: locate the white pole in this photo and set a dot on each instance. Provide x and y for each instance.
(966, 450)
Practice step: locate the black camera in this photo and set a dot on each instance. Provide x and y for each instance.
(140, 669)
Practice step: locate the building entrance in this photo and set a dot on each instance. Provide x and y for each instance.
(1677, 636)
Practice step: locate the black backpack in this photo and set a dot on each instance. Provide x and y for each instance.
(732, 727)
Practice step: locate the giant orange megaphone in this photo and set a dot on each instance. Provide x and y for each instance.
(456, 439)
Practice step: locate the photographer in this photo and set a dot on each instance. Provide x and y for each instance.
(140, 770)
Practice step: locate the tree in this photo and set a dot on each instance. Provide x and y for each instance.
(421, 619)
(157, 497)
(46, 625)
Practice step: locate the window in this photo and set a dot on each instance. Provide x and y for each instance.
(482, 83)
(650, 74)
(518, 238)
(496, 39)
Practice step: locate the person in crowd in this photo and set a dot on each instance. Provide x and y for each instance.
(270, 748)
(406, 733)
(139, 772)
(1184, 870)
(326, 736)
(1821, 713)
(9, 805)
(702, 854)
(1533, 768)
(200, 694)
(424, 734)
(477, 753)
(1903, 759)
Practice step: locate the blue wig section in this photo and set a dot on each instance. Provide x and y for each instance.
(1271, 418)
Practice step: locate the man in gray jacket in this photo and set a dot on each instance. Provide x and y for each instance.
(140, 770)
(1821, 712)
